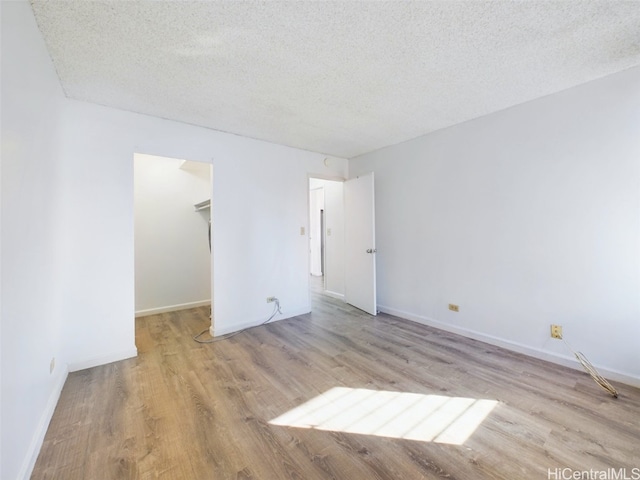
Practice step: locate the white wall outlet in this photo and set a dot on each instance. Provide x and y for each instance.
(271, 299)
(52, 365)
(302, 230)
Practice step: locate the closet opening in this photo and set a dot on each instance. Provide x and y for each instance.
(172, 234)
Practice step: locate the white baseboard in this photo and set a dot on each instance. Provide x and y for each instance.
(172, 308)
(288, 313)
(103, 359)
(43, 425)
(339, 296)
(558, 359)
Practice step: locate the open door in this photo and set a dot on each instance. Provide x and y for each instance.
(360, 243)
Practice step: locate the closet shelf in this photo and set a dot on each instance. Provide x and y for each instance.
(202, 205)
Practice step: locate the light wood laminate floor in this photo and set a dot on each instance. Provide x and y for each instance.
(182, 410)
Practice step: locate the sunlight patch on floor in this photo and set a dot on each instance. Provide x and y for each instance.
(412, 416)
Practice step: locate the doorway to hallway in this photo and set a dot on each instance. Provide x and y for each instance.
(326, 237)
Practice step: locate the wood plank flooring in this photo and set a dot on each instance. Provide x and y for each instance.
(182, 410)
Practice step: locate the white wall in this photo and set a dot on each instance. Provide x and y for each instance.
(259, 205)
(524, 218)
(32, 300)
(172, 259)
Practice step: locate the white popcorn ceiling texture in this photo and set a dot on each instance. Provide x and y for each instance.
(340, 78)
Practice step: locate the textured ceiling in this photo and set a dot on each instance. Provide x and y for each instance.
(340, 78)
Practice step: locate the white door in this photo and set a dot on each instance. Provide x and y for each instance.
(360, 243)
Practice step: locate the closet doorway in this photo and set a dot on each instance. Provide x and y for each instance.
(172, 215)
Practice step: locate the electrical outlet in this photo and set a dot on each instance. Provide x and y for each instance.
(52, 365)
(454, 308)
(271, 299)
(556, 331)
